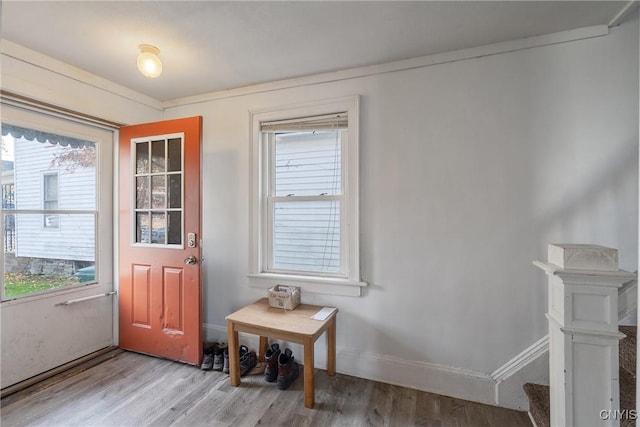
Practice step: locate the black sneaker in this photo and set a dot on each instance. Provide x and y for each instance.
(225, 361)
(271, 360)
(207, 359)
(243, 352)
(247, 362)
(287, 369)
(218, 357)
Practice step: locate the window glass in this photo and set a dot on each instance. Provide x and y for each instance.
(306, 236)
(50, 199)
(308, 163)
(158, 192)
(43, 172)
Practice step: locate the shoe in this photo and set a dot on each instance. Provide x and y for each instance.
(225, 360)
(247, 362)
(271, 360)
(207, 360)
(225, 364)
(218, 357)
(287, 369)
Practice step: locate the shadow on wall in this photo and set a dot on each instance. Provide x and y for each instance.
(602, 211)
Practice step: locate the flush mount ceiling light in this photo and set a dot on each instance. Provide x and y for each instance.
(148, 62)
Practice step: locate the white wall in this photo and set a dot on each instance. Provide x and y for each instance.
(30, 74)
(468, 170)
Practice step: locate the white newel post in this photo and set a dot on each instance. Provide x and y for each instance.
(583, 333)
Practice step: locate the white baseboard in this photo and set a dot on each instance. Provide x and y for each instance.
(430, 377)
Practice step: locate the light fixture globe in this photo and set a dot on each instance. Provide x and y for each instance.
(149, 64)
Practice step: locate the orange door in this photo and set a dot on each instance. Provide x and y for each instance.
(159, 249)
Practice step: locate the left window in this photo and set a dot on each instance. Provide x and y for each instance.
(49, 210)
(50, 199)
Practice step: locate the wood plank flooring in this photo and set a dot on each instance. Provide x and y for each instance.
(131, 389)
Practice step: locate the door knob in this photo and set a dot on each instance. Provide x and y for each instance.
(191, 260)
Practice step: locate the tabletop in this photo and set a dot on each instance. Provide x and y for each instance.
(297, 321)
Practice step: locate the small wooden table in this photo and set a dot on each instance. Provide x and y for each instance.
(293, 326)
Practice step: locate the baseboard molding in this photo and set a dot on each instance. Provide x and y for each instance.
(503, 387)
(430, 377)
(521, 360)
(508, 393)
(80, 364)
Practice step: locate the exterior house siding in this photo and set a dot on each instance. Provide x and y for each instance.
(74, 237)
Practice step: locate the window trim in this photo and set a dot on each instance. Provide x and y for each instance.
(349, 284)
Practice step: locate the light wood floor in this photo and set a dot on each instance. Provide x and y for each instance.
(136, 390)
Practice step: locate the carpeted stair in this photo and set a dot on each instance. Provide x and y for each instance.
(539, 394)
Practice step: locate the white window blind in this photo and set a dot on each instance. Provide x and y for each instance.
(304, 209)
(305, 193)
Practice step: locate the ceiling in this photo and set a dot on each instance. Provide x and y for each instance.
(209, 46)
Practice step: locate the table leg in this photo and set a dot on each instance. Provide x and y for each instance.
(234, 356)
(262, 349)
(309, 374)
(331, 348)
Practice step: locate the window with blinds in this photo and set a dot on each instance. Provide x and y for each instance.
(304, 204)
(305, 194)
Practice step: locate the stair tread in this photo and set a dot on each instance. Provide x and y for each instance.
(539, 395)
(539, 399)
(628, 348)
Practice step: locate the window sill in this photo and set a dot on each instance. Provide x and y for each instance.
(313, 284)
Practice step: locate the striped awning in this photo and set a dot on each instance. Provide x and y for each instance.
(40, 136)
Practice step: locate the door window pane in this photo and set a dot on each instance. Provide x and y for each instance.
(142, 157)
(175, 191)
(158, 191)
(175, 155)
(174, 228)
(142, 192)
(157, 156)
(142, 227)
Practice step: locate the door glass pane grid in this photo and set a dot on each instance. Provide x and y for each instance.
(158, 191)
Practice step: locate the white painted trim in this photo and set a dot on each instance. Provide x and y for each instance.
(321, 285)
(521, 360)
(259, 211)
(36, 59)
(430, 377)
(627, 299)
(626, 9)
(627, 303)
(39, 60)
(395, 66)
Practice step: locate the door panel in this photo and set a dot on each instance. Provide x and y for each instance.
(160, 293)
(67, 251)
